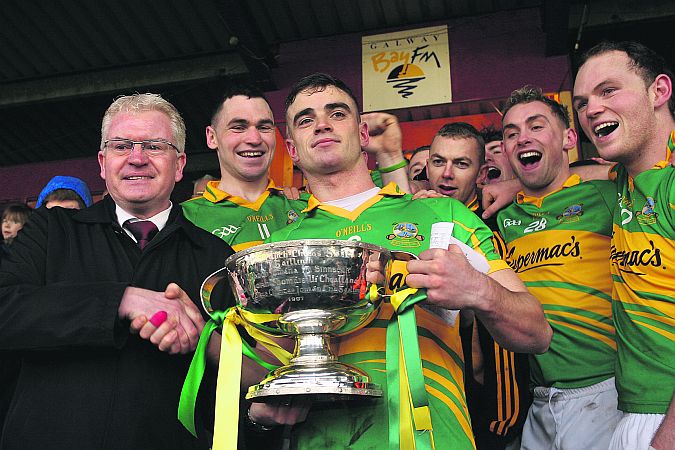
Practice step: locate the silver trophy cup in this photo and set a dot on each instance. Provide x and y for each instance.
(317, 287)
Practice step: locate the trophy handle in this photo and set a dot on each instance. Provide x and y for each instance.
(207, 287)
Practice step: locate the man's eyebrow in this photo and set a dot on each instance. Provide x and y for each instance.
(337, 105)
(266, 122)
(536, 117)
(238, 121)
(304, 112)
(462, 158)
(509, 125)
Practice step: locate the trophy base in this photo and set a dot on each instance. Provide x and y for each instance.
(329, 381)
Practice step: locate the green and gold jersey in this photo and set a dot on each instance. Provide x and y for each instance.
(643, 259)
(241, 223)
(559, 246)
(391, 219)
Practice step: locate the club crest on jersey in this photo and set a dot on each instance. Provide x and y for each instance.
(405, 234)
(572, 213)
(647, 216)
(292, 216)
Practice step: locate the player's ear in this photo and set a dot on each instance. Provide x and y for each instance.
(363, 134)
(292, 150)
(569, 139)
(662, 89)
(211, 138)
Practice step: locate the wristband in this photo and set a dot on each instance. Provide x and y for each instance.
(396, 166)
(256, 426)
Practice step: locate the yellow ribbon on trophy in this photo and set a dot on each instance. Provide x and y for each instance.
(229, 379)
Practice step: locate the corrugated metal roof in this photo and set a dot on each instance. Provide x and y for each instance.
(62, 61)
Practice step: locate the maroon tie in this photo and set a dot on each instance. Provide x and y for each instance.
(143, 231)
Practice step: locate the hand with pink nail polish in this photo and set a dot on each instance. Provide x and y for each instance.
(158, 318)
(175, 322)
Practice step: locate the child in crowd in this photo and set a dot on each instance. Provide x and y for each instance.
(66, 192)
(13, 218)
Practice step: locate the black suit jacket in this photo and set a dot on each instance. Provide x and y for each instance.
(85, 382)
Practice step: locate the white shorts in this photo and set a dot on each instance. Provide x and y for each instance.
(635, 431)
(572, 419)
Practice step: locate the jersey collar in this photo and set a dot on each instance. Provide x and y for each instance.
(670, 148)
(473, 203)
(521, 197)
(215, 195)
(390, 190)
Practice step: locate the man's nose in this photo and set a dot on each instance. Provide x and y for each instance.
(253, 136)
(322, 124)
(594, 107)
(137, 154)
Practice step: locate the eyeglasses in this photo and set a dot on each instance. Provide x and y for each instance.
(151, 147)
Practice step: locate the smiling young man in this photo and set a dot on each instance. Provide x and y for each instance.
(557, 233)
(497, 166)
(245, 206)
(625, 105)
(76, 282)
(325, 138)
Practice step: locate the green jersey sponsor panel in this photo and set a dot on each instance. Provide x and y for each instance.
(643, 259)
(559, 246)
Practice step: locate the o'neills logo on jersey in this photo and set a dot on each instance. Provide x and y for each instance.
(543, 256)
(260, 219)
(572, 213)
(353, 229)
(405, 234)
(647, 216)
(627, 260)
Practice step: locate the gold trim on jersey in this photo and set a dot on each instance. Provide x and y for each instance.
(390, 190)
(508, 409)
(245, 245)
(213, 194)
(473, 203)
(521, 197)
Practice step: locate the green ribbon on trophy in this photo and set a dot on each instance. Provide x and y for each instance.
(408, 404)
(227, 392)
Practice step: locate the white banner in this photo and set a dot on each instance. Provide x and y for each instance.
(406, 69)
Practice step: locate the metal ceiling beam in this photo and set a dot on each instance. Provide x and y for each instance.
(122, 79)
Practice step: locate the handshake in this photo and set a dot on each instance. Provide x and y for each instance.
(174, 323)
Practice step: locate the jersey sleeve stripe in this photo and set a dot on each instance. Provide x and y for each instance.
(598, 325)
(570, 286)
(585, 331)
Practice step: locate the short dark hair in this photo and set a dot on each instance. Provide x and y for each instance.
(64, 194)
(245, 90)
(529, 94)
(421, 149)
(491, 134)
(317, 82)
(17, 212)
(646, 62)
(463, 130)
